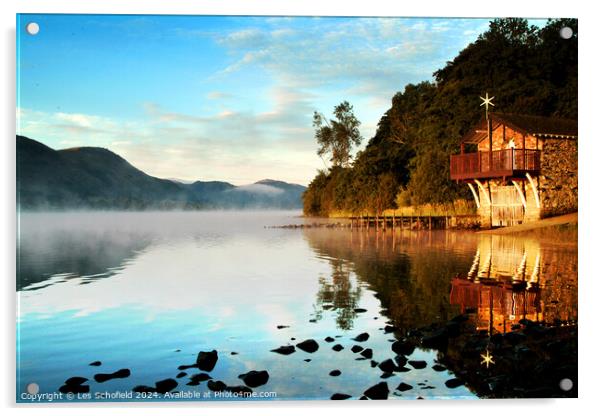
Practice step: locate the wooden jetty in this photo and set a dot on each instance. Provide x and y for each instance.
(414, 222)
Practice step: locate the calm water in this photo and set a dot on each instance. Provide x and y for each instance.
(148, 291)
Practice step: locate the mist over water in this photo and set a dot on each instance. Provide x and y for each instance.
(148, 291)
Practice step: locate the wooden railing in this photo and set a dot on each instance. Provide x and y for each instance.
(498, 163)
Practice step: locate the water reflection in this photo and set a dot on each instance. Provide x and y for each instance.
(167, 285)
(408, 272)
(515, 278)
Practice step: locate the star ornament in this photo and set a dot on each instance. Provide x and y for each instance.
(487, 359)
(487, 101)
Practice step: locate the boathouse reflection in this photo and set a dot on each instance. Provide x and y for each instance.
(512, 279)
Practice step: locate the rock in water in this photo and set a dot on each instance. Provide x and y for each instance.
(95, 363)
(379, 391)
(404, 387)
(164, 386)
(360, 310)
(216, 385)
(281, 326)
(205, 361)
(329, 339)
(181, 374)
(367, 353)
(144, 389)
(187, 366)
(74, 388)
(356, 348)
(387, 366)
(439, 367)
(284, 350)
(402, 347)
(417, 364)
(309, 345)
(75, 381)
(335, 373)
(340, 396)
(452, 383)
(200, 377)
(101, 377)
(362, 337)
(338, 347)
(255, 378)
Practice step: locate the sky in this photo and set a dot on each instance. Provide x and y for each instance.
(218, 97)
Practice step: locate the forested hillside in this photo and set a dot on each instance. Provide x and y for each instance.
(528, 70)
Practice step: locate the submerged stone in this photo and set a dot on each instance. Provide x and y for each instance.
(144, 389)
(340, 396)
(102, 377)
(357, 348)
(335, 373)
(439, 367)
(388, 366)
(388, 329)
(402, 347)
(200, 377)
(379, 391)
(164, 386)
(206, 360)
(74, 388)
(404, 387)
(452, 383)
(255, 378)
(216, 385)
(284, 350)
(329, 339)
(367, 353)
(338, 347)
(75, 381)
(309, 345)
(417, 364)
(362, 337)
(95, 363)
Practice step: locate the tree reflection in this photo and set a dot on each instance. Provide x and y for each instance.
(339, 294)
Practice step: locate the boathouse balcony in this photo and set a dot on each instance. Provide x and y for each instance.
(505, 163)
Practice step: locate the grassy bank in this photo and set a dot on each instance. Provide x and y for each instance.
(458, 207)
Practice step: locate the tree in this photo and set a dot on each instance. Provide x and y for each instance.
(338, 136)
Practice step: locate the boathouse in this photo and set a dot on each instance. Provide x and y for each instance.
(521, 168)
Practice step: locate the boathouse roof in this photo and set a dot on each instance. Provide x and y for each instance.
(538, 126)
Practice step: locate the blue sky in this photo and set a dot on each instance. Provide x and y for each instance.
(218, 98)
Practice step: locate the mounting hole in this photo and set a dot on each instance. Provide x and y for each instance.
(33, 388)
(32, 28)
(566, 32)
(566, 384)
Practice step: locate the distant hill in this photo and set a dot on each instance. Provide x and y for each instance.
(93, 177)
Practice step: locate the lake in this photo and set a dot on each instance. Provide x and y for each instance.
(148, 291)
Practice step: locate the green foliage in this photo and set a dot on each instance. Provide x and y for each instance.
(336, 137)
(528, 70)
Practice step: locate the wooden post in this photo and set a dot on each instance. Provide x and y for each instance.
(490, 134)
(524, 153)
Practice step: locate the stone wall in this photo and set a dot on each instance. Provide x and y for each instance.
(558, 179)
